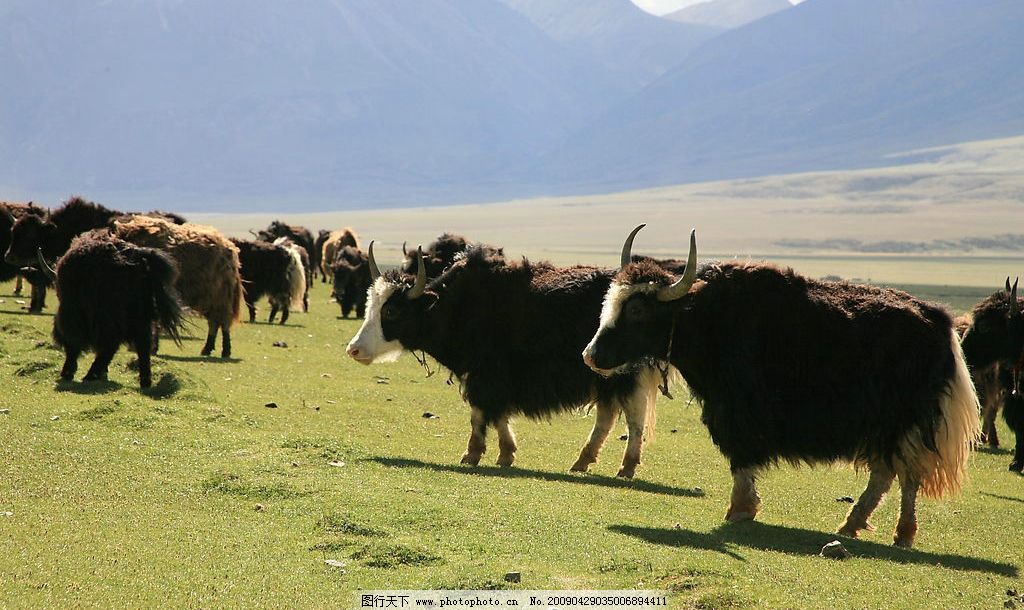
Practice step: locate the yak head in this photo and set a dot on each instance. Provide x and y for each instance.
(28, 235)
(997, 328)
(396, 314)
(638, 310)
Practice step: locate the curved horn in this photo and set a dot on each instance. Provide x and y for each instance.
(253, 233)
(627, 248)
(405, 252)
(44, 267)
(1014, 306)
(683, 284)
(374, 271)
(421, 277)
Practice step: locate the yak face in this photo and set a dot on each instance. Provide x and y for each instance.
(394, 322)
(634, 329)
(28, 235)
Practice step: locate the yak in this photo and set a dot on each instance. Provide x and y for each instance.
(351, 271)
(298, 253)
(511, 334)
(112, 292)
(994, 347)
(442, 253)
(298, 234)
(332, 245)
(316, 256)
(787, 368)
(209, 281)
(9, 214)
(52, 233)
(272, 271)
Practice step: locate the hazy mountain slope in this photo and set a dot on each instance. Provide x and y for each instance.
(728, 13)
(347, 97)
(828, 83)
(635, 46)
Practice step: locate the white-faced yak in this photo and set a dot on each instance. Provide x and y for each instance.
(791, 369)
(993, 344)
(111, 293)
(511, 333)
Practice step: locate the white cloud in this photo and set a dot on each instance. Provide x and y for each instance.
(661, 7)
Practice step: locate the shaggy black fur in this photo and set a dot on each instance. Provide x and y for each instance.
(442, 253)
(9, 214)
(790, 368)
(112, 292)
(265, 273)
(512, 333)
(996, 339)
(318, 251)
(351, 269)
(297, 234)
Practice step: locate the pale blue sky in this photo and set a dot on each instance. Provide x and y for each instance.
(660, 7)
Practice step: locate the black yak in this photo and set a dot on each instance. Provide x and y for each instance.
(442, 253)
(787, 368)
(351, 271)
(209, 281)
(511, 334)
(272, 271)
(112, 292)
(298, 234)
(9, 214)
(302, 256)
(994, 347)
(317, 255)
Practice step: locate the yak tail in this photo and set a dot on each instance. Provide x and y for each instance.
(943, 470)
(296, 279)
(163, 273)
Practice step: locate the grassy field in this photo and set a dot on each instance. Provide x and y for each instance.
(197, 494)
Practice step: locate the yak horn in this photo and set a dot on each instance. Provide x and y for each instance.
(253, 233)
(627, 248)
(1014, 307)
(44, 267)
(405, 252)
(683, 284)
(421, 277)
(374, 271)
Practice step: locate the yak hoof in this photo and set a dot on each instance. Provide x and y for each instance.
(581, 465)
(505, 459)
(1016, 466)
(739, 515)
(471, 459)
(904, 542)
(95, 377)
(627, 471)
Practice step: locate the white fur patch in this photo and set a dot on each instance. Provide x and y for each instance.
(615, 299)
(370, 341)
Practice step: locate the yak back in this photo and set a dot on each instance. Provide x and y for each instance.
(210, 281)
(513, 333)
(803, 370)
(264, 268)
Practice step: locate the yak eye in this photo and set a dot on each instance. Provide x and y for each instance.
(637, 310)
(389, 312)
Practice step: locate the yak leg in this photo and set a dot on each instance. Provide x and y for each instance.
(637, 407)
(273, 313)
(992, 397)
(211, 338)
(38, 300)
(225, 348)
(878, 485)
(906, 527)
(607, 413)
(98, 370)
(17, 286)
(477, 438)
(143, 348)
(252, 312)
(285, 310)
(71, 354)
(506, 442)
(1013, 414)
(305, 302)
(745, 501)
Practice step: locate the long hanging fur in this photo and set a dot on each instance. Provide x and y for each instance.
(296, 278)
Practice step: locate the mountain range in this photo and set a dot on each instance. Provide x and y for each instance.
(328, 104)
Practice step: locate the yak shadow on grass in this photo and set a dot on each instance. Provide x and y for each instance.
(727, 538)
(87, 387)
(560, 477)
(992, 450)
(212, 359)
(999, 497)
(22, 312)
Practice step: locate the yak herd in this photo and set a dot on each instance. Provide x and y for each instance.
(786, 368)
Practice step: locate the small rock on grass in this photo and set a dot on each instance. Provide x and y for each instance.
(279, 344)
(5, 411)
(334, 563)
(513, 577)
(847, 499)
(624, 437)
(54, 417)
(259, 508)
(835, 550)
(271, 405)
(336, 463)
(6, 513)
(429, 415)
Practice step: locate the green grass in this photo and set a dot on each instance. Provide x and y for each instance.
(196, 494)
